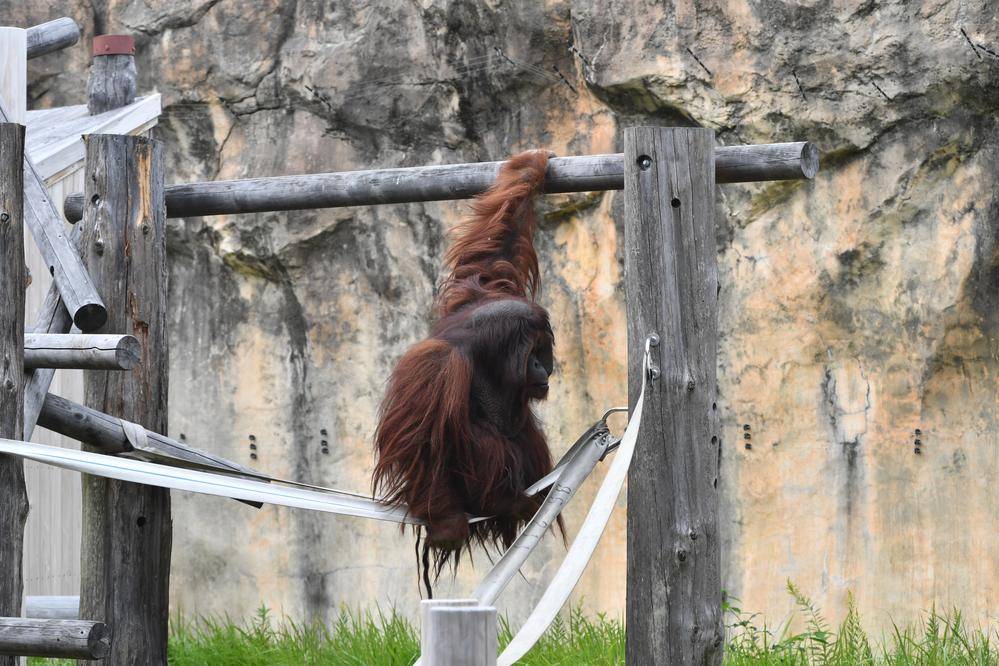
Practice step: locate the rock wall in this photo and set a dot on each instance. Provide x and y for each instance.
(859, 330)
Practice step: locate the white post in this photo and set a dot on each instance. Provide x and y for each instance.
(427, 604)
(14, 73)
(457, 632)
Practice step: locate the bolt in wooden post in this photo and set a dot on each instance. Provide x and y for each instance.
(112, 73)
(13, 496)
(125, 568)
(674, 579)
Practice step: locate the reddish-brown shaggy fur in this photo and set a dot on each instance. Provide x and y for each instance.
(457, 436)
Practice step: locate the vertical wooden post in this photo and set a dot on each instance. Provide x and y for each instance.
(674, 566)
(112, 73)
(125, 566)
(13, 496)
(458, 634)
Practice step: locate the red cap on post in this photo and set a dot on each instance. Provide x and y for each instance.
(114, 45)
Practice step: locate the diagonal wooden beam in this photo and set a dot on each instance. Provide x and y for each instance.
(105, 432)
(47, 228)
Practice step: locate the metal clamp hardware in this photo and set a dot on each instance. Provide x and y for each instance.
(611, 447)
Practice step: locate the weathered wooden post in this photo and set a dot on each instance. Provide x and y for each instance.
(112, 73)
(125, 568)
(13, 496)
(674, 564)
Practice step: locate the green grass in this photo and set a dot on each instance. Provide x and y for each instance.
(936, 640)
(387, 639)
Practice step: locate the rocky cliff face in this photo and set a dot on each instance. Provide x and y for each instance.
(858, 313)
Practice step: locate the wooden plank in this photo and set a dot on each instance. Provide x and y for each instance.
(55, 136)
(671, 282)
(75, 286)
(125, 570)
(66, 639)
(52, 36)
(780, 161)
(459, 635)
(112, 82)
(52, 607)
(13, 495)
(85, 351)
(104, 433)
(14, 73)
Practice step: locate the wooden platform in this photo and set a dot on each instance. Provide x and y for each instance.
(53, 135)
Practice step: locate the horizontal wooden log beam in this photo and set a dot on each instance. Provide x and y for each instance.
(65, 639)
(52, 36)
(51, 607)
(734, 164)
(84, 351)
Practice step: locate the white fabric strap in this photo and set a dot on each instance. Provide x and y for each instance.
(207, 483)
(585, 542)
(137, 467)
